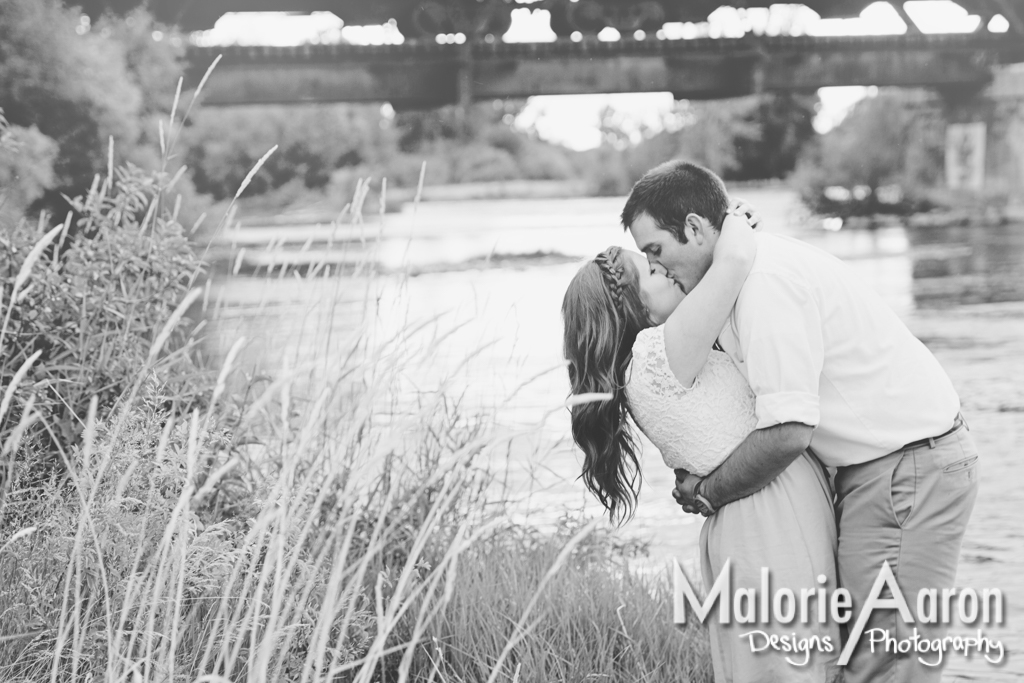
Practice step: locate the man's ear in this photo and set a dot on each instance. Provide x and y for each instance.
(698, 226)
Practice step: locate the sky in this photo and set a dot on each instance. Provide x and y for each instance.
(573, 120)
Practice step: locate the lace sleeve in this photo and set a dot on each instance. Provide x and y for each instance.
(695, 428)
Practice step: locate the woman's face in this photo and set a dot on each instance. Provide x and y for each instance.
(659, 292)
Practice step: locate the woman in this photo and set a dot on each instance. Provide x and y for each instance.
(631, 332)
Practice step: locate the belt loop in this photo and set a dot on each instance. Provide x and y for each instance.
(964, 420)
(931, 442)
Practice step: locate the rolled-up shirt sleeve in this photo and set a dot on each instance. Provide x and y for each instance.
(778, 325)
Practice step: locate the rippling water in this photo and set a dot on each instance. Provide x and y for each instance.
(498, 269)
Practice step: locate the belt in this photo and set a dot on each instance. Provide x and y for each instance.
(930, 442)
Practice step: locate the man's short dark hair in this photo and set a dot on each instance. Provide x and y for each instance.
(669, 192)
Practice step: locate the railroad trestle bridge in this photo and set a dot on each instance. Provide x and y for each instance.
(427, 74)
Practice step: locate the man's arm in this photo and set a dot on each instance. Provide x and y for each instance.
(762, 456)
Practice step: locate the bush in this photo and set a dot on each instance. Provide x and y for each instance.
(482, 163)
(545, 162)
(26, 168)
(91, 307)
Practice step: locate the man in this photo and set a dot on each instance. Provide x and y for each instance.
(836, 371)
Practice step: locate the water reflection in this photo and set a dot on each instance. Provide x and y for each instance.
(967, 264)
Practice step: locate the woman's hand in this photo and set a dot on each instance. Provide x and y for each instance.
(740, 207)
(736, 243)
(685, 493)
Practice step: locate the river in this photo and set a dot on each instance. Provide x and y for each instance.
(497, 270)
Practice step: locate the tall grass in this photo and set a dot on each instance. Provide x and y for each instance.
(164, 521)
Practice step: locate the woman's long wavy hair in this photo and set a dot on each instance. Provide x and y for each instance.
(603, 313)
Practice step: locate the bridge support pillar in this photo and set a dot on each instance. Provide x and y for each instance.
(985, 140)
(464, 83)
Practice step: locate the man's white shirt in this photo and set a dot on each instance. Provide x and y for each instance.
(821, 348)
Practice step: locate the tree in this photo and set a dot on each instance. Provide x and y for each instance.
(478, 145)
(26, 168)
(747, 138)
(80, 87)
(313, 141)
(895, 138)
(780, 125)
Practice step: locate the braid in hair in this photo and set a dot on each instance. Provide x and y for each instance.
(603, 313)
(611, 263)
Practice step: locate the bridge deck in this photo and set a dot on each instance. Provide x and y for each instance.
(429, 74)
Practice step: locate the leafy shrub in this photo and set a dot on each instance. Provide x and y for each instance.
(91, 307)
(480, 163)
(545, 162)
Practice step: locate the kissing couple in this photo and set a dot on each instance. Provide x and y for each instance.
(816, 434)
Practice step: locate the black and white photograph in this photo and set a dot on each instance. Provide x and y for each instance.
(511, 341)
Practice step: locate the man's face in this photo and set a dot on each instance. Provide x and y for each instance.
(684, 263)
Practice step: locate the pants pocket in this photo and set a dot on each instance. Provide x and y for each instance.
(960, 465)
(903, 487)
(962, 475)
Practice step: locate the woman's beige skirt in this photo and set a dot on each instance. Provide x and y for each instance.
(789, 528)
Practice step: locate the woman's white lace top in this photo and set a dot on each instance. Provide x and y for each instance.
(697, 428)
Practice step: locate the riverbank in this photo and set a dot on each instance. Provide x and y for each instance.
(322, 207)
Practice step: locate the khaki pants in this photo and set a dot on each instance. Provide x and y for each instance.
(909, 508)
